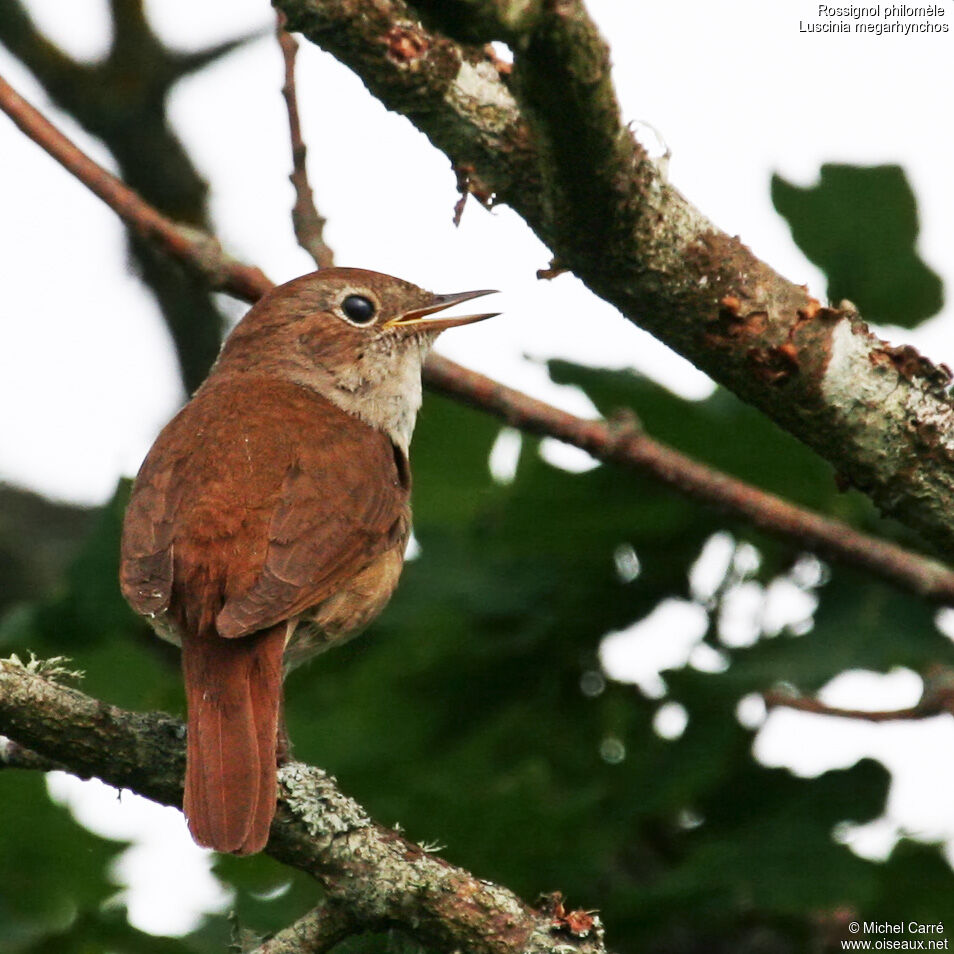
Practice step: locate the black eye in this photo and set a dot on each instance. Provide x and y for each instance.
(359, 309)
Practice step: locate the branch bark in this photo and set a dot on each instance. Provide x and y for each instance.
(314, 933)
(881, 415)
(372, 872)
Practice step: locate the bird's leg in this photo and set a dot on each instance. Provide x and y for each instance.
(283, 752)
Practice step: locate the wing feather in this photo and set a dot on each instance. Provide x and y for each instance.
(146, 568)
(258, 501)
(332, 517)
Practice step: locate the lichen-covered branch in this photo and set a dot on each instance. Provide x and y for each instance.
(368, 870)
(562, 83)
(314, 933)
(15, 756)
(881, 415)
(452, 92)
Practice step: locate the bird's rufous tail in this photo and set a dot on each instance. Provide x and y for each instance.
(233, 691)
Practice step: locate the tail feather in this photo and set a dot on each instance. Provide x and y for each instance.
(265, 685)
(233, 690)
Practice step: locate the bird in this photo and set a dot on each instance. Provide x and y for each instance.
(270, 518)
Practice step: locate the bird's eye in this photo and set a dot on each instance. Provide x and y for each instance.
(359, 309)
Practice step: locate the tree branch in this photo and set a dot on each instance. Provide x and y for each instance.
(48, 63)
(308, 224)
(881, 415)
(366, 869)
(629, 446)
(933, 703)
(624, 443)
(15, 756)
(562, 83)
(199, 252)
(315, 933)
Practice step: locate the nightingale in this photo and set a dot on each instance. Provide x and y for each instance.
(271, 516)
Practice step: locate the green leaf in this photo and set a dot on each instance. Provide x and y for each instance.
(731, 436)
(860, 226)
(762, 842)
(269, 895)
(721, 431)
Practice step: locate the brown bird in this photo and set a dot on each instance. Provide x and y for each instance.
(270, 518)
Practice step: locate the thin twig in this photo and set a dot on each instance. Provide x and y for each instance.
(630, 446)
(309, 225)
(831, 538)
(927, 708)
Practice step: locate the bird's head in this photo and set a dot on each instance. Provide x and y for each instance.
(357, 337)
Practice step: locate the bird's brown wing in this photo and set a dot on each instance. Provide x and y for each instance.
(147, 558)
(256, 503)
(341, 504)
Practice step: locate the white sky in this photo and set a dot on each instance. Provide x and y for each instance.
(734, 88)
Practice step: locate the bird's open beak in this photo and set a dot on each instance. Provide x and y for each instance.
(420, 319)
